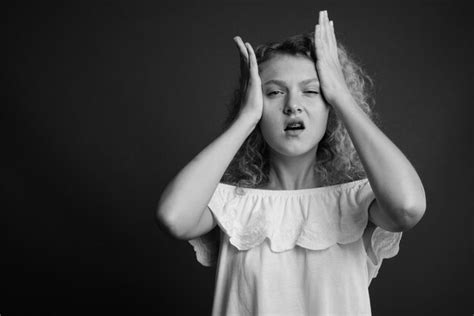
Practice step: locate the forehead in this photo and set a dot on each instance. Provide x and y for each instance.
(288, 68)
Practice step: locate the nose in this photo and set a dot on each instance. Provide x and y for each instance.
(292, 106)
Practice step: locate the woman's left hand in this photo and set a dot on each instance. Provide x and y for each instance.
(328, 67)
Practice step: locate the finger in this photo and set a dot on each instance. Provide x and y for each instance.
(333, 37)
(244, 66)
(317, 42)
(241, 47)
(324, 43)
(321, 26)
(252, 60)
(326, 31)
(329, 35)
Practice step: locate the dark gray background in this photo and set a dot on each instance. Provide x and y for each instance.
(104, 103)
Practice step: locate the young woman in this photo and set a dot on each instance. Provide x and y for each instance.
(303, 196)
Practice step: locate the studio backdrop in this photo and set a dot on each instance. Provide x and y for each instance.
(105, 102)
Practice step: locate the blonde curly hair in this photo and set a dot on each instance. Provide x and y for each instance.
(337, 160)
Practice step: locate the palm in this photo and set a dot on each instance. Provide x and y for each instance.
(329, 69)
(250, 83)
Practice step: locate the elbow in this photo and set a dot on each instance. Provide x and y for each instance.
(167, 225)
(413, 213)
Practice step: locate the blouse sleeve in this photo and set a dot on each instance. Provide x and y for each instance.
(382, 244)
(206, 246)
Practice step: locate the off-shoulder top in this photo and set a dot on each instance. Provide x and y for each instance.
(294, 252)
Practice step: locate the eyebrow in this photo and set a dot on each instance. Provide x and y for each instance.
(281, 82)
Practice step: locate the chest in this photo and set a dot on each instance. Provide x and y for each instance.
(260, 266)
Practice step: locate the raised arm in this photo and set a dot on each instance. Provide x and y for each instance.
(400, 197)
(185, 198)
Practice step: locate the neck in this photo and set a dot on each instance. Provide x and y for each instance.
(292, 173)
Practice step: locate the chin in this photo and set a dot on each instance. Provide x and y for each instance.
(294, 150)
(280, 144)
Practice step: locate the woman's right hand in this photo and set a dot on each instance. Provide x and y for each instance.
(251, 85)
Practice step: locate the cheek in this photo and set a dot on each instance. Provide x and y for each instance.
(269, 129)
(320, 119)
(325, 115)
(270, 119)
(271, 108)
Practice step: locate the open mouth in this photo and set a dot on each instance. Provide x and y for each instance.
(294, 125)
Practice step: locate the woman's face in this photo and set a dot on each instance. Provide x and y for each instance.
(291, 91)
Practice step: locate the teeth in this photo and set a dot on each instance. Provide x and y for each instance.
(294, 126)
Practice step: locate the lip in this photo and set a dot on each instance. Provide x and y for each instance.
(294, 132)
(293, 121)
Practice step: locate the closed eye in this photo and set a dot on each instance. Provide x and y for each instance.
(277, 92)
(273, 93)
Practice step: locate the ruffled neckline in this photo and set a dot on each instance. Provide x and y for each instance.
(308, 191)
(313, 218)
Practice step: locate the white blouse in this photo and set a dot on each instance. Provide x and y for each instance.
(294, 252)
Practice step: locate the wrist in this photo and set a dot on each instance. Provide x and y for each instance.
(344, 99)
(248, 119)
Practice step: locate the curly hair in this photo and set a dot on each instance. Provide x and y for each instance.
(337, 160)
